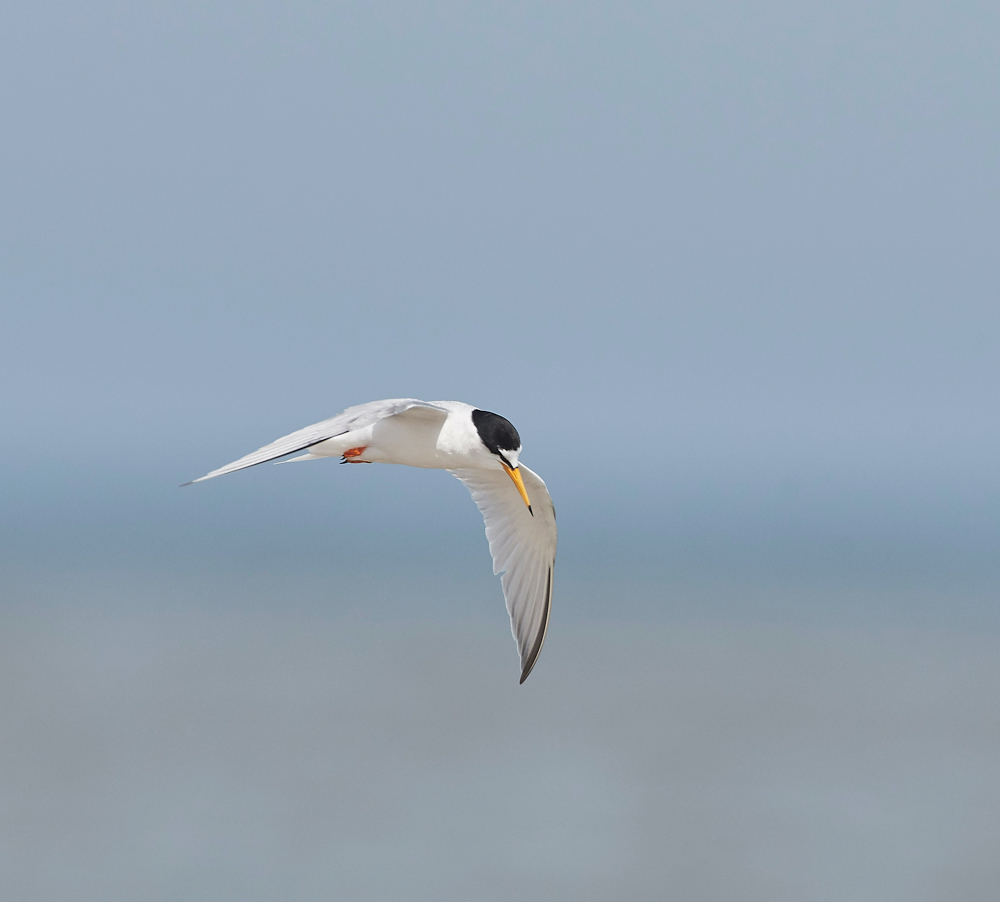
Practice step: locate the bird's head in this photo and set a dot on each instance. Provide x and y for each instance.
(501, 440)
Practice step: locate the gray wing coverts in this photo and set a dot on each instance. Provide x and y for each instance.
(353, 418)
(523, 549)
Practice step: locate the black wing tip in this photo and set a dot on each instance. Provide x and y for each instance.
(526, 672)
(529, 667)
(540, 640)
(192, 482)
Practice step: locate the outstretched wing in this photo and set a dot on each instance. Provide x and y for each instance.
(523, 549)
(353, 418)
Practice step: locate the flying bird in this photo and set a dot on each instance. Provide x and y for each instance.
(482, 449)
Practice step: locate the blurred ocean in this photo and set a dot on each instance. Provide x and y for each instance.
(219, 737)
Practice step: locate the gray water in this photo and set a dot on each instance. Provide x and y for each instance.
(215, 738)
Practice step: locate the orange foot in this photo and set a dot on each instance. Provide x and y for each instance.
(351, 453)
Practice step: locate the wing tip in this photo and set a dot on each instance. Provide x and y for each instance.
(536, 649)
(526, 670)
(530, 665)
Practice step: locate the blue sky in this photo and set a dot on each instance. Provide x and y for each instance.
(730, 270)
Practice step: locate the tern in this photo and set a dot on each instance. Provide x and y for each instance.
(482, 449)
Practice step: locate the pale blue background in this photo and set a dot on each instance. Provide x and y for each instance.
(731, 269)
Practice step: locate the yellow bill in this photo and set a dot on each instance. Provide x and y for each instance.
(515, 476)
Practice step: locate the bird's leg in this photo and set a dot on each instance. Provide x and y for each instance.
(351, 453)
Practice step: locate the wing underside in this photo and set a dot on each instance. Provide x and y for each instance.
(523, 549)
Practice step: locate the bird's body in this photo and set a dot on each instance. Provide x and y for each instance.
(417, 437)
(482, 450)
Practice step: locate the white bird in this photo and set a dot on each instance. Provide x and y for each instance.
(482, 450)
